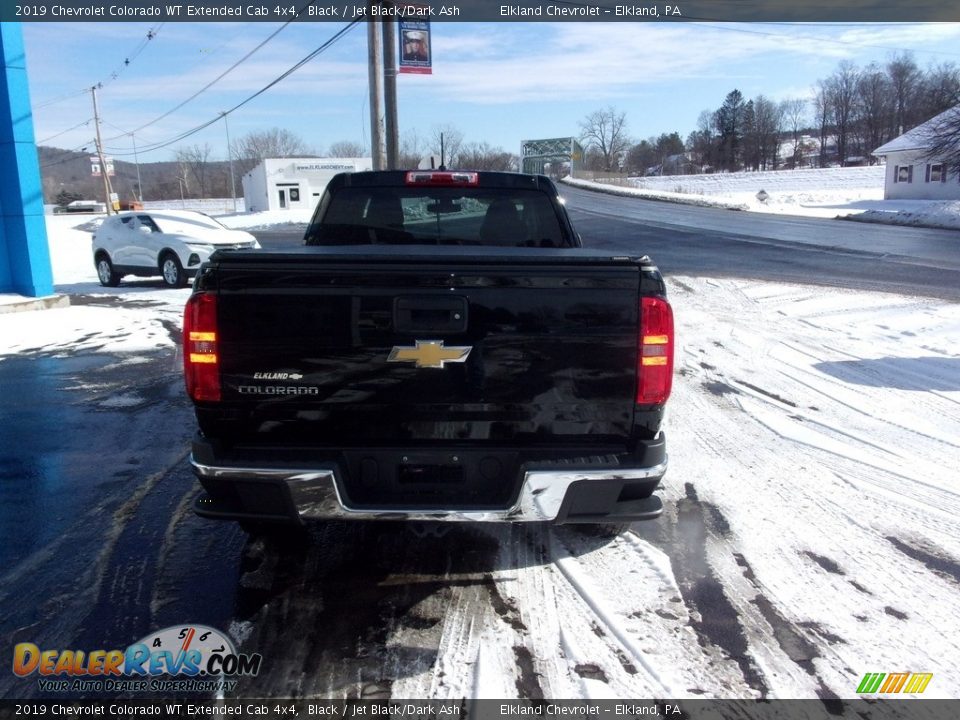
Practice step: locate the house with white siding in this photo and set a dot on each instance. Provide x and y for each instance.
(911, 174)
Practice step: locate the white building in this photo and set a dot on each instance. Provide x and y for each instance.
(294, 183)
(913, 176)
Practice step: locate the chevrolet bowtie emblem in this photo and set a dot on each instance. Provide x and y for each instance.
(429, 354)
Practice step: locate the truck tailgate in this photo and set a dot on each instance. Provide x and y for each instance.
(340, 346)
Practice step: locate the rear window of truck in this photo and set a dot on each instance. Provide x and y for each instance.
(438, 216)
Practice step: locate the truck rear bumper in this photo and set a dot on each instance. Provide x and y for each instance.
(561, 495)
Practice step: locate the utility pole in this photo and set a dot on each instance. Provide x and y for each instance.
(375, 60)
(138, 195)
(233, 184)
(136, 160)
(103, 163)
(390, 91)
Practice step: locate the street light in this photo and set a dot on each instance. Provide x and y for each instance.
(233, 184)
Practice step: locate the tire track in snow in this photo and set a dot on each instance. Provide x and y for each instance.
(631, 590)
(781, 500)
(592, 597)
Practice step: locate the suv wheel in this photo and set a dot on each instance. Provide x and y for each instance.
(107, 275)
(172, 271)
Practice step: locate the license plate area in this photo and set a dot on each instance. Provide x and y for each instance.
(419, 474)
(455, 479)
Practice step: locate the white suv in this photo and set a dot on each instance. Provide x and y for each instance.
(169, 243)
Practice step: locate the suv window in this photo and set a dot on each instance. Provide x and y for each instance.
(148, 222)
(439, 216)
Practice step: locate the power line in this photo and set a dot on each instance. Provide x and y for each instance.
(60, 99)
(220, 76)
(78, 148)
(151, 34)
(310, 56)
(63, 132)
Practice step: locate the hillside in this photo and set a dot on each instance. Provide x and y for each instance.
(70, 170)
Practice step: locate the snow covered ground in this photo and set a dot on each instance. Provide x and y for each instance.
(812, 524)
(812, 531)
(855, 193)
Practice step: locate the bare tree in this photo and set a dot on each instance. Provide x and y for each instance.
(767, 124)
(842, 87)
(905, 81)
(606, 132)
(411, 150)
(874, 108)
(941, 89)
(346, 149)
(823, 108)
(794, 112)
(194, 162)
(452, 142)
(700, 143)
(273, 143)
(943, 137)
(483, 156)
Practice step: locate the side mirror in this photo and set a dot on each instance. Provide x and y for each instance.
(145, 229)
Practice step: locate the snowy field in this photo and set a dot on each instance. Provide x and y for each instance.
(812, 531)
(855, 193)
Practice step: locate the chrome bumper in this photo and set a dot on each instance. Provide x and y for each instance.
(316, 495)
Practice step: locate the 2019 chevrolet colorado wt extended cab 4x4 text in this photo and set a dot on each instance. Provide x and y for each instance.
(442, 348)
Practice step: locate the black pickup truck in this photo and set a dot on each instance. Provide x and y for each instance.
(442, 348)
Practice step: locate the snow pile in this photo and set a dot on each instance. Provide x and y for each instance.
(837, 181)
(933, 213)
(100, 326)
(71, 251)
(662, 195)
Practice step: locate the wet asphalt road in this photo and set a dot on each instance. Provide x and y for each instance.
(98, 545)
(686, 240)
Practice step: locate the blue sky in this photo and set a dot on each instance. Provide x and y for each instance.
(496, 82)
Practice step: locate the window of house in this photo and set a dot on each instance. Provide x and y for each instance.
(294, 194)
(903, 174)
(935, 172)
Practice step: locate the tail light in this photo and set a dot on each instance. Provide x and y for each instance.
(655, 354)
(201, 365)
(442, 178)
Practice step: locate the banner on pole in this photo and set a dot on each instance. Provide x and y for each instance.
(415, 50)
(96, 170)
